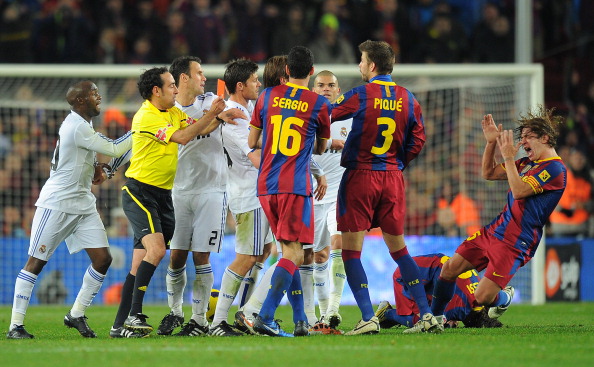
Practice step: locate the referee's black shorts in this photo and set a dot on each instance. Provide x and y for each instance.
(149, 210)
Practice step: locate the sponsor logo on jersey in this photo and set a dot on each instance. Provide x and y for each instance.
(143, 288)
(497, 275)
(340, 99)
(544, 175)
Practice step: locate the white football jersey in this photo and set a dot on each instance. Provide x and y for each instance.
(243, 176)
(330, 161)
(68, 188)
(202, 164)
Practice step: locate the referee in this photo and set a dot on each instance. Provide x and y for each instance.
(146, 197)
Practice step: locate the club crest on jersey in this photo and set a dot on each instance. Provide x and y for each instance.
(161, 134)
(544, 175)
(343, 132)
(42, 249)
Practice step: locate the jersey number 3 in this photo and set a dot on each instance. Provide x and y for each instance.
(285, 139)
(388, 134)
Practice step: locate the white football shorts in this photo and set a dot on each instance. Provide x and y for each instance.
(325, 225)
(51, 227)
(252, 232)
(199, 222)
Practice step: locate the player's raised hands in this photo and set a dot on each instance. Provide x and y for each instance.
(217, 106)
(506, 145)
(491, 130)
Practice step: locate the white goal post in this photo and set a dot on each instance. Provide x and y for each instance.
(453, 98)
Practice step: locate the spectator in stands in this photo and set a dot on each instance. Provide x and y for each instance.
(146, 25)
(443, 41)
(392, 24)
(111, 48)
(64, 36)
(330, 47)
(493, 39)
(207, 31)
(571, 216)
(15, 33)
(253, 31)
(457, 213)
(290, 30)
(179, 39)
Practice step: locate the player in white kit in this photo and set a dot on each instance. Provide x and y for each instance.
(200, 203)
(327, 239)
(253, 235)
(66, 209)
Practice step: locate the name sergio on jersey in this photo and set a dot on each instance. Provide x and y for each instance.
(292, 104)
(388, 104)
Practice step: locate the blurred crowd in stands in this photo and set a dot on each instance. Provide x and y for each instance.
(421, 31)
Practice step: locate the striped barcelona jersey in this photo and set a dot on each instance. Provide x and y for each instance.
(388, 130)
(154, 157)
(521, 221)
(463, 300)
(290, 117)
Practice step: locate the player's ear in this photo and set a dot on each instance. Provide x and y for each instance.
(311, 71)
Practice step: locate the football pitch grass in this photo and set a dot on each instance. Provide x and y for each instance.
(555, 334)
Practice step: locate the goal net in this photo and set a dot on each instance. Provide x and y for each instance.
(447, 199)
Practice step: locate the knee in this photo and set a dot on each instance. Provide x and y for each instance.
(102, 262)
(320, 257)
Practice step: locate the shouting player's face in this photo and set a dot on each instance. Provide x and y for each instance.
(327, 86)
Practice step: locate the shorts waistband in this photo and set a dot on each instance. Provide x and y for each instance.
(155, 189)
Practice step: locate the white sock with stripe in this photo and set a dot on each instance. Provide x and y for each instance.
(92, 282)
(201, 293)
(229, 287)
(176, 280)
(23, 288)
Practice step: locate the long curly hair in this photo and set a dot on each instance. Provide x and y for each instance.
(541, 122)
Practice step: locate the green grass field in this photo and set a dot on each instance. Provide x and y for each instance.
(558, 334)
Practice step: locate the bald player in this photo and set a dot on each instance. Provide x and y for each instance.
(66, 209)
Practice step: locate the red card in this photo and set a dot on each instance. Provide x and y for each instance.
(221, 88)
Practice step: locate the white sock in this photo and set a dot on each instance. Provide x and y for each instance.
(92, 282)
(254, 303)
(23, 288)
(176, 280)
(201, 293)
(322, 286)
(307, 286)
(229, 287)
(249, 283)
(337, 279)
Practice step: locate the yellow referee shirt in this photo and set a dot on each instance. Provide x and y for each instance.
(154, 157)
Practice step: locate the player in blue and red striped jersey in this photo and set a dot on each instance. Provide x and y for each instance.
(511, 239)
(386, 135)
(293, 123)
(463, 306)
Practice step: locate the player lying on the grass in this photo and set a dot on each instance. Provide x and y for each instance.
(66, 209)
(507, 243)
(463, 306)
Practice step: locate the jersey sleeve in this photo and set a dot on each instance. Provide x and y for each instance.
(323, 130)
(550, 176)
(345, 106)
(88, 138)
(257, 115)
(416, 137)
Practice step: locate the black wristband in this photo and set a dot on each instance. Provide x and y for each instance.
(220, 120)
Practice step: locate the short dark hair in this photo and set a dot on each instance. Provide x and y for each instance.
(238, 71)
(181, 65)
(300, 61)
(381, 54)
(150, 78)
(274, 70)
(541, 122)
